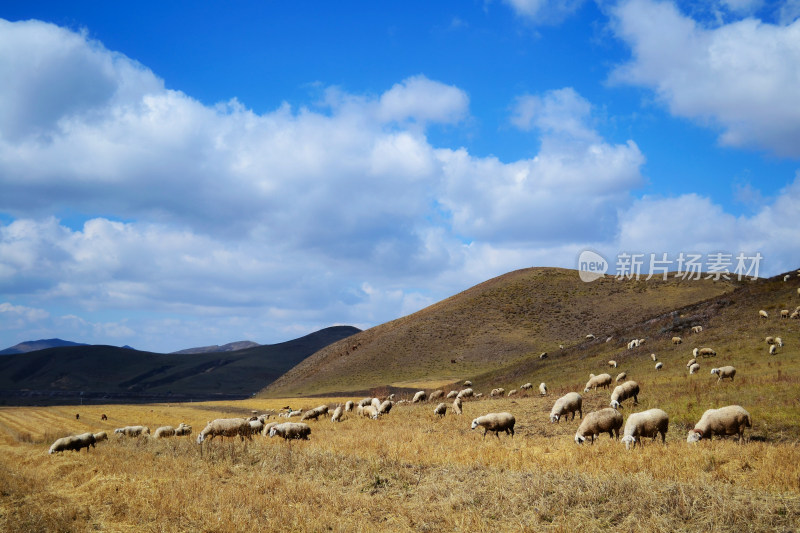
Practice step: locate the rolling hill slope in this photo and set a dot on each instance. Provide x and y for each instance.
(503, 322)
(119, 374)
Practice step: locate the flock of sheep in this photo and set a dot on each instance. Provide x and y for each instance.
(730, 420)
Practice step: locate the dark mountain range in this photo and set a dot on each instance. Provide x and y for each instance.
(109, 373)
(42, 344)
(230, 347)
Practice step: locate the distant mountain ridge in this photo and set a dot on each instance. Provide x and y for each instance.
(105, 373)
(41, 344)
(230, 347)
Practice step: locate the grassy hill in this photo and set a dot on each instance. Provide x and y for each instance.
(500, 324)
(108, 373)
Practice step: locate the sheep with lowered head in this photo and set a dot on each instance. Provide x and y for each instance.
(653, 357)
(645, 424)
(602, 421)
(313, 414)
(707, 352)
(621, 376)
(691, 362)
(676, 340)
(348, 406)
(773, 349)
(512, 392)
(526, 386)
(694, 368)
(465, 393)
(452, 394)
(730, 420)
(132, 431)
(225, 427)
(435, 395)
(779, 342)
(74, 443)
(337, 413)
(659, 366)
(770, 340)
(569, 403)
(368, 411)
(468, 383)
(100, 436)
(419, 397)
(542, 389)
(496, 422)
(724, 372)
(629, 389)
(603, 381)
(763, 314)
(612, 364)
(385, 407)
(364, 401)
(440, 409)
(697, 329)
(291, 430)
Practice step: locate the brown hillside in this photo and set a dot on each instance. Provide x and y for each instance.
(498, 323)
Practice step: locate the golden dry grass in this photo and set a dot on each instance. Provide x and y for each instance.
(409, 471)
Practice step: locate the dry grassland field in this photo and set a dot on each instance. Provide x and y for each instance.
(408, 471)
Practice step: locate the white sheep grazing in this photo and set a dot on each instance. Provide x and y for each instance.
(543, 355)
(337, 414)
(313, 414)
(542, 389)
(773, 349)
(653, 357)
(645, 424)
(267, 427)
(132, 431)
(452, 394)
(74, 443)
(440, 409)
(786, 277)
(348, 406)
(496, 422)
(468, 383)
(770, 340)
(621, 376)
(183, 430)
(385, 407)
(457, 406)
(779, 342)
(526, 386)
(697, 329)
(465, 393)
(730, 420)
(659, 366)
(696, 352)
(629, 389)
(512, 392)
(602, 421)
(100, 436)
(707, 352)
(795, 314)
(603, 381)
(376, 403)
(435, 395)
(364, 401)
(763, 314)
(163, 432)
(694, 368)
(590, 337)
(569, 403)
(676, 340)
(368, 411)
(500, 391)
(419, 397)
(291, 430)
(612, 364)
(724, 372)
(691, 362)
(225, 427)
(290, 414)
(784, 313)
(633, 344)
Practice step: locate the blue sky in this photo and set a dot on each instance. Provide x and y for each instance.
(180, 175)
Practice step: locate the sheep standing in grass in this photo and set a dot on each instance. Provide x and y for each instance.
(457, 406)
(364, 401)
(707, 352)
(313, 414)
(621, 376)
(452, 394)
(440, 409)
(163, 432)
(74, 443)
(376, 403)
(419, 397)
(773, 349)
(368, 411)
(101, 436)
(697, 329)
(629, 389)
(385, 407)
(653, 357)
(763, 314)
(645, 424)
(779, 342)
(291, 430)
(183, 430)
(337, 414)
(603, 381)
(784, 313)
(527, 386)
(676, 340)
(132, 431)
(496, 422)
(696, 352)
(730, 420)
(691, 362)
(512, 392)
(569, 403)
(694, 368)
(348, 406)
(225, 427)
(602, 421)
(542, 389)
(612, 364)
(724, 372)
(659, 366)
(468, 383)
(465, 393)
(498, 392)
(435, 395)
(770, 340)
